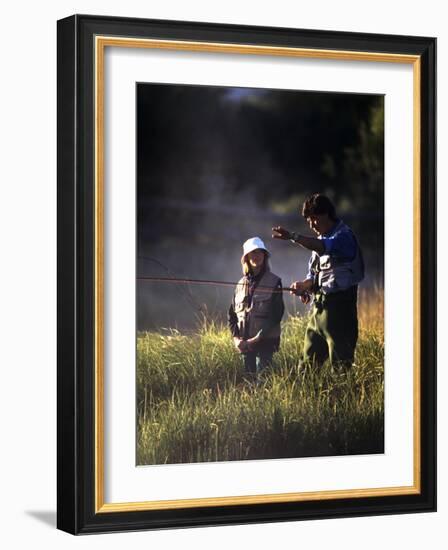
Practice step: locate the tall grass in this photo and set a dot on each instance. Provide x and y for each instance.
(194, 404)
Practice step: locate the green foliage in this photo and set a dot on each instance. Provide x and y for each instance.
(194, 404)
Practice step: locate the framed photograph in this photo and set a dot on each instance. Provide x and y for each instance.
(246, 274)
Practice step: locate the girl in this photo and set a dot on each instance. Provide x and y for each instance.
(257, 309)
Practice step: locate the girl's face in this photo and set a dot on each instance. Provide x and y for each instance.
(256, 259)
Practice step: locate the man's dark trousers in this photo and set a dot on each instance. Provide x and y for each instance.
(332, 331)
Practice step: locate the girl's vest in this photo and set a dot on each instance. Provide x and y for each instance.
(258, 316)
(335, 274)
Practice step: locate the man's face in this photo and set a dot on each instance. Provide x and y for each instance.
(318, 223)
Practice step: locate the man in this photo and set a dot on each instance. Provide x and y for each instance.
(335, 268)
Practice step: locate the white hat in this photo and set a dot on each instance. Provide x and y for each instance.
(253, 244)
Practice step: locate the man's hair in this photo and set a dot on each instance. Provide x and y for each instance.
(318, 204)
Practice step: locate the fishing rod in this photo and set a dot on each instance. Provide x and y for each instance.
(212, 283)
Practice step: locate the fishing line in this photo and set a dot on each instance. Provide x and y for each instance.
(172, 277)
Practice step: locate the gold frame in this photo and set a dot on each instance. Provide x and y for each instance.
(101, 42)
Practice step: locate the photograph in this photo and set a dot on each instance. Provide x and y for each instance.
(259, 273)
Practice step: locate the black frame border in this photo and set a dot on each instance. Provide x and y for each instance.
(76, 267)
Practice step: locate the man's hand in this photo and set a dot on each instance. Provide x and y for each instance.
(280, 233)
(302, 289)
(305, 298)
(310, 243)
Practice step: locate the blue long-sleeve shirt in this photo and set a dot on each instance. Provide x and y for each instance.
(341, 244)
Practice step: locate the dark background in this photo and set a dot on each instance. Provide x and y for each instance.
(218, 165)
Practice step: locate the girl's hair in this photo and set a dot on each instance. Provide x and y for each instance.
(246, 266)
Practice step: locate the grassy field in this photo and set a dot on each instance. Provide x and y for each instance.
(194, 405)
